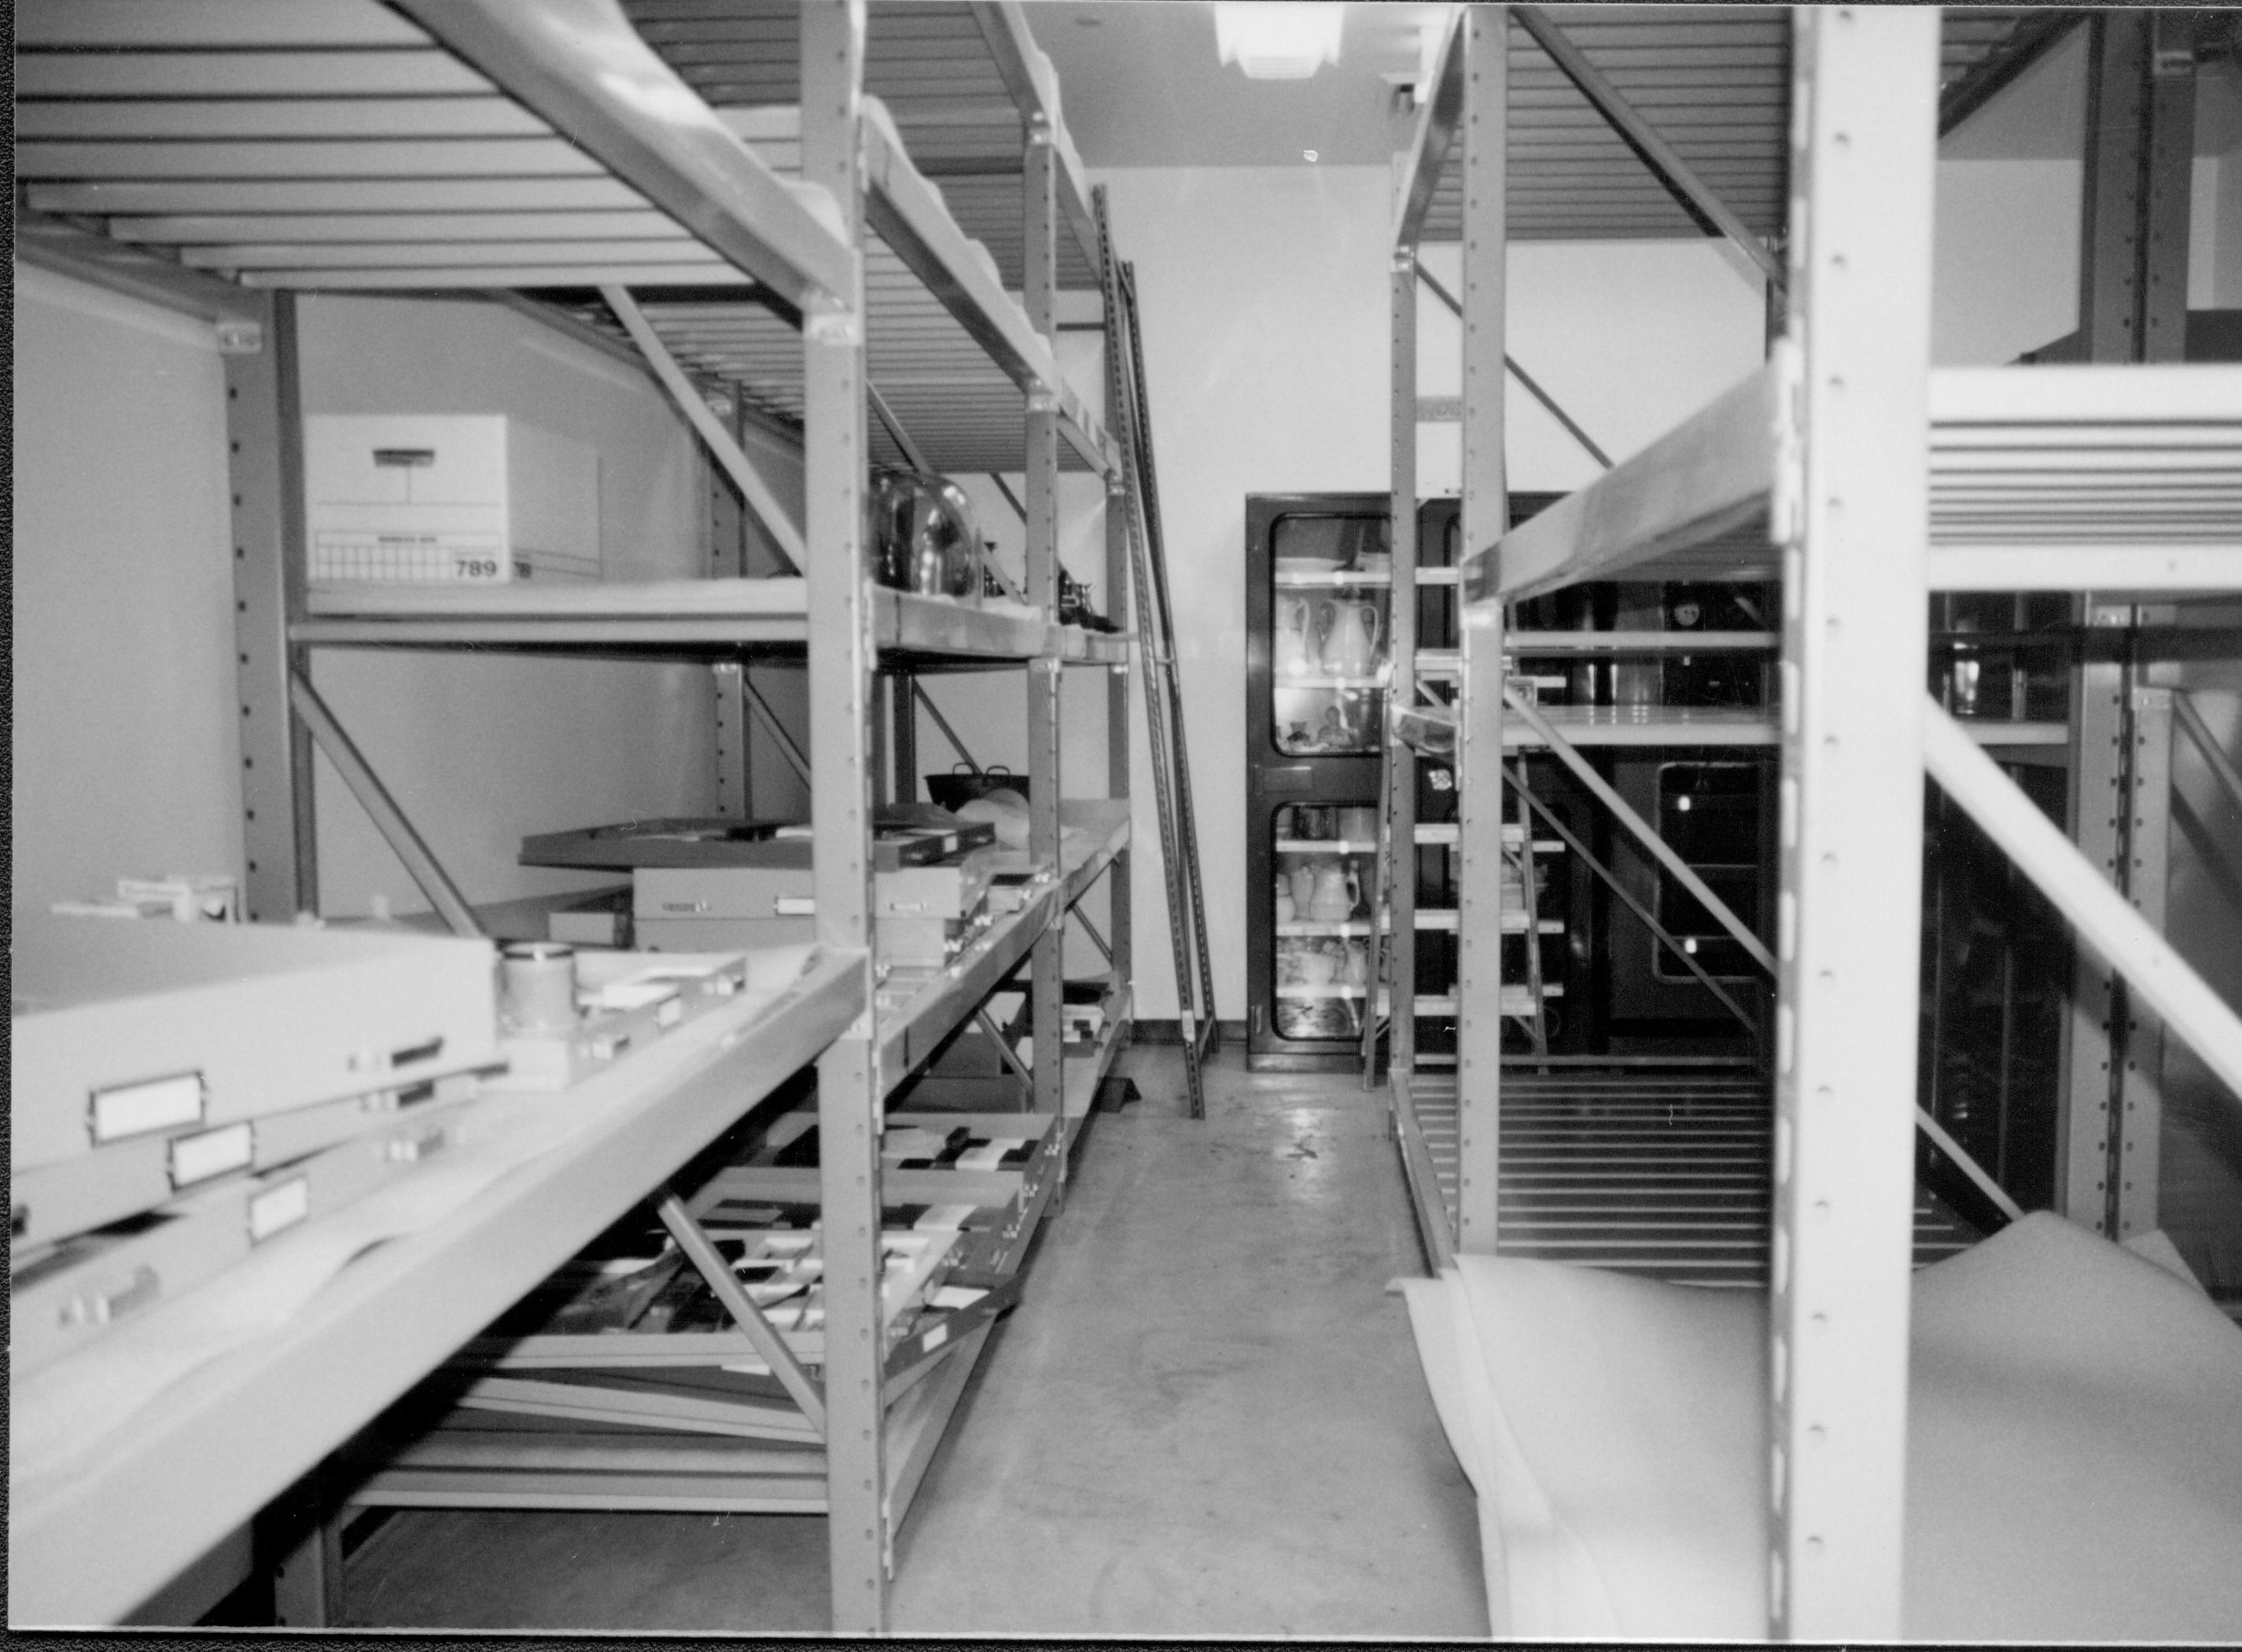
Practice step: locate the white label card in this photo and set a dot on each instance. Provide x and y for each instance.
(153, 1104)
(279, 1209)
(213, 1153)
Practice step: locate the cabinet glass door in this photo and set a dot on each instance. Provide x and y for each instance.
(1326, 870)
(1333, 577)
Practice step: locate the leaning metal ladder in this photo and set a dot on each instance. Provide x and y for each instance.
(1163, 709)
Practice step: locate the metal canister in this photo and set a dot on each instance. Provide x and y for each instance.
(537, 986)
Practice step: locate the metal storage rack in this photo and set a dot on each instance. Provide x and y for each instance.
(1587, 91)
(346, 146)
(1864, 482)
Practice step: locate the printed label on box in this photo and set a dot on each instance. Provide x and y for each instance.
(339, 554)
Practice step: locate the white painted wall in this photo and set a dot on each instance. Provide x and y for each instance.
(123, 743)
(1263, 293)
(126, 748)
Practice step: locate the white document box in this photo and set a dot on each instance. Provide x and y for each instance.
(472, 498)
(123, 1030)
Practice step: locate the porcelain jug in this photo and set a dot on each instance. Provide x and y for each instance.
(1350, 633)
(1291, 657)
(1357, 971)
(1335, 892)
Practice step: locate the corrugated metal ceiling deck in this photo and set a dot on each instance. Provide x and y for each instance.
(1714, 81)
(928, 61)
(331, 145)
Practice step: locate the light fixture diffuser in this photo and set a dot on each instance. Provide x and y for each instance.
(1278, 39)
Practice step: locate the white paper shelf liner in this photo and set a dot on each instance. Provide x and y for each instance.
(68, 1411)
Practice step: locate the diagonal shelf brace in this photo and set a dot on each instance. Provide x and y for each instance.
(987, 1024)
(1533, 386)
(1976, 1173)
(2222, 767)
(1643, 832)
(744, 475)
(787, 748)
(2101, 916)
(1096, 938)
(992, 564)
(712, 1268)
(1659, 155)
(914, 455)
(918, 690)
(388, 819)
(1515, 775)
(1663, 852)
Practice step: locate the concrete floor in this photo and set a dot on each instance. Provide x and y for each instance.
(1206, 1417)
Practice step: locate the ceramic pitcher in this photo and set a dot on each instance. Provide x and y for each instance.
(1335, 892)
(1350, 633)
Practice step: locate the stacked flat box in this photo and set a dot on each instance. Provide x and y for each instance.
(921, 915)
(50, 1203)
(126, 1031)
(473, 499)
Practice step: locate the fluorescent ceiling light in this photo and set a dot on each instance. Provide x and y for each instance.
(1278, 39)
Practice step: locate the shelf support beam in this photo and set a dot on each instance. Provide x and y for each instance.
(836, 450)
(265, 467)
(1039, 218)
(1398, 944)
(1850, 513)
(1436, 133)
(2140, 132)
(1479, 742)
(1663, 159)
(1119, 754)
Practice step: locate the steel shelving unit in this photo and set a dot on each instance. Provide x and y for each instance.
(741, 187)
(1863, 482)
(1588, 94)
